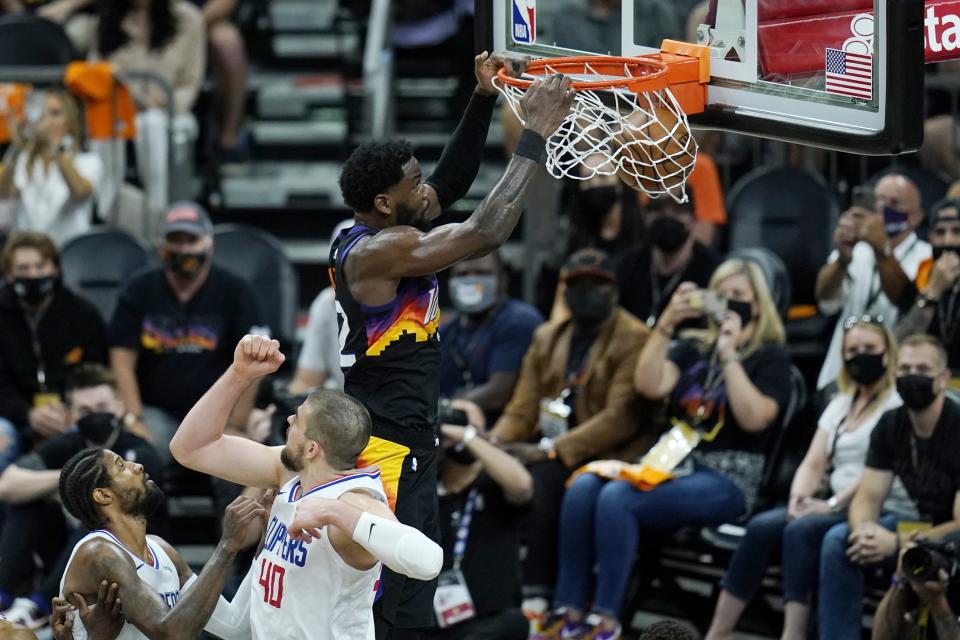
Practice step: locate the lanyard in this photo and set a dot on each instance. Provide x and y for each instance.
(948, 328)
(657, 294)
(874, 294)
(462, 358)
(463, 528)
(33, 322)
(839, 431)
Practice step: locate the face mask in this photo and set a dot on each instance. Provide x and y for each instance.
(589, 306)
(33, 291)
(939, 251)
(473, 294)
(597, 201)
(185, 265)
(96, 428)
(916, 391)
(895, 222)
(668, 234)
(742, 309)
(865, 368)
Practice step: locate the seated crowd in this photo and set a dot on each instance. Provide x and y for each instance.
(648, 405)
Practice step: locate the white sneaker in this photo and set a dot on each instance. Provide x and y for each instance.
(23, 611)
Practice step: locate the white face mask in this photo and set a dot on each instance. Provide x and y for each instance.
(473, 294)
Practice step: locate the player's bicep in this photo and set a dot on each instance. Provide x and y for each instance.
(238, 460)
(404, 252)
(142, 606)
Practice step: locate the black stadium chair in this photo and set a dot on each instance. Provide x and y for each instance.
(98, 263)
(26, 39)
(774, 271)
(258, 257)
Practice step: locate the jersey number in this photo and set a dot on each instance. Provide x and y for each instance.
(347, 360)
(271, 579)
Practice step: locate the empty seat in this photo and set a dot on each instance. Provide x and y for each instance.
(790, 212)
(258, 257)
(26, 39)
(98, 263)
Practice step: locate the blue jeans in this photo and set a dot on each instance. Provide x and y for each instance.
(840, 607)
(9, 443)
(601, 521)
(769, 538)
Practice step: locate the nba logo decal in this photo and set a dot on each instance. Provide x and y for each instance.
(524, 21)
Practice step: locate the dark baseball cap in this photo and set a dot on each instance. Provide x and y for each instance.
(589, 262)
(188, 217)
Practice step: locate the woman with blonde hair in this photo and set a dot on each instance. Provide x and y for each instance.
(51, 181)
(822, 487)
(725, 388)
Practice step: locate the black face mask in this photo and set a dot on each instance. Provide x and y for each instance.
(916, 391)
(742, 309)
(96, 428)
(865, 368)
(939, 251)
(668, 234)
(34, 291)
(185, 265)
(589, 306)
(597, 201)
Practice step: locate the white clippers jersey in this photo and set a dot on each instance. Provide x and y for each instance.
(306, 591)
(161, 576)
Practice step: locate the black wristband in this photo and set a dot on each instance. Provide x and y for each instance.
(531, 145)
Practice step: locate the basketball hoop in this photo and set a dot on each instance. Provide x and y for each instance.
(625, 119)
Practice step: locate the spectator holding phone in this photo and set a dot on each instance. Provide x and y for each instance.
(877, 254)
(51, 180)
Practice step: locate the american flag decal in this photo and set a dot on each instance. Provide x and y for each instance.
(849, 74)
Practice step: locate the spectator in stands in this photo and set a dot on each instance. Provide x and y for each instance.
(484, 495)
(46, 171)
(650, 274)
(166, 37)
(937, 288)
(318, 365)
(44, 330)
(485, 340)
(667, 630)
(604, 214)
(793, 534)
(175, 327)
(228, 57)
(35, 524)
(919, 443)
(573, 400)
(595, 25)
(876, 257)
(726, 388)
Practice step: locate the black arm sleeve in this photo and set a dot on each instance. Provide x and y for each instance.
(460, 162)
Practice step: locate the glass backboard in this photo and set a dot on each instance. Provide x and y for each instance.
(840, 74)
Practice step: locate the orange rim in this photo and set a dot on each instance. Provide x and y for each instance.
(647, 73)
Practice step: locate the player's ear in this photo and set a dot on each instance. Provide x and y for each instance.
(382, 204)
(102, 496)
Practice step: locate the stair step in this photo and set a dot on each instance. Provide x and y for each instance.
(314, 45)
(303, 15)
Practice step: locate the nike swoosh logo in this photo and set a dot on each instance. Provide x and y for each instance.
(140, 565)
(372, 525)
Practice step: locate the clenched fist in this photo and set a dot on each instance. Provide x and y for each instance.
(257, 356)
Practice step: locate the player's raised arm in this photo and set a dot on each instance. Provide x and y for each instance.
(364, 531)
(200, 442)
(403, 251)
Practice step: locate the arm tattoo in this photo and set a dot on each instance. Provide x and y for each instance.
(917, 320)
(499, 212)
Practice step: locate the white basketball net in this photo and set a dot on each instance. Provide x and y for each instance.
(644, 138)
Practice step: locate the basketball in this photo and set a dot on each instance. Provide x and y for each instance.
(657, 154)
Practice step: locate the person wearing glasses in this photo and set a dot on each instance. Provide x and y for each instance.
(792, 534)
(876, 257)
(919, 443)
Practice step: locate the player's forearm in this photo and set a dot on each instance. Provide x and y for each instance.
(497, 216)
(190, 615)
(206, 421)
(400, 547)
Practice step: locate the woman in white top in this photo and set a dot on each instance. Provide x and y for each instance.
(52, 182)
(835, 458)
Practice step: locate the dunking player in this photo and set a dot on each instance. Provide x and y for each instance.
(317, 584)
(161, 596)
(384, 270)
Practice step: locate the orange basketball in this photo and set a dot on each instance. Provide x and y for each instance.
(654, 160)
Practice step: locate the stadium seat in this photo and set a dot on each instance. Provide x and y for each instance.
(790, 212)
(258, 257)
(98, 263)
(26, 39)
(774, 271)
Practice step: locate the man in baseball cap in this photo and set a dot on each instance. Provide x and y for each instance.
(591, 290)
